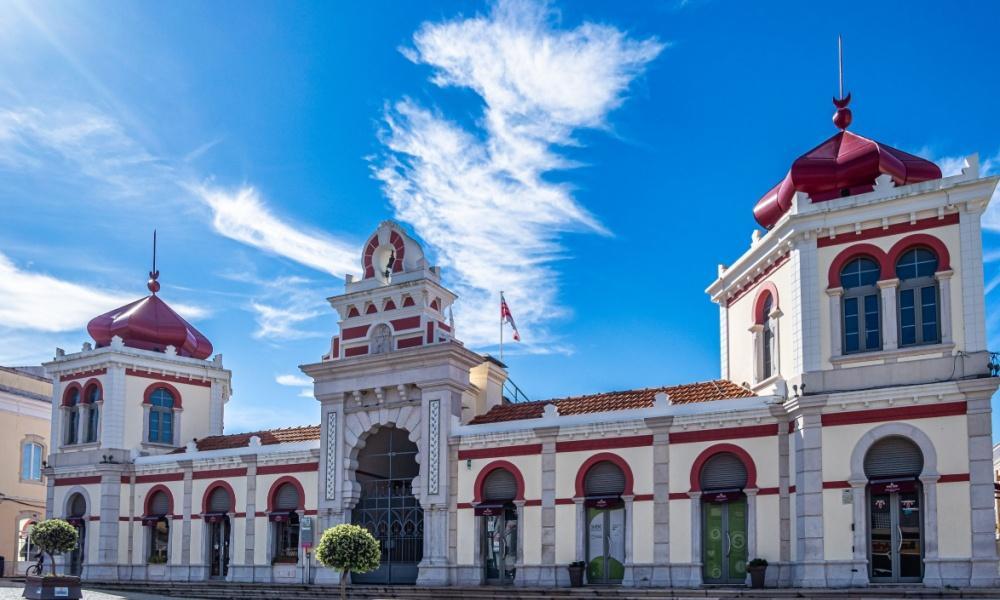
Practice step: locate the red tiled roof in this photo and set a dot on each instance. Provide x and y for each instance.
(703, 391)
(267, 437)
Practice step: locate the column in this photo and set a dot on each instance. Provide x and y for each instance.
(628, 579)
(696, 564)
(660, 426)
(944, 291)
(775, 317)
(251, 514)
(519, 565)
(110, 509)
(890, 325)
(932, 568)
(836, 336)
(581, 529)
(981, 494)
(809, 492)
(751, 495)
(757, 335)
(859, 511)
(186, 514)
(547, 574)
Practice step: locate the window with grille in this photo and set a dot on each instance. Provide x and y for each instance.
(892, 457)
(500, 486)
(604, 479)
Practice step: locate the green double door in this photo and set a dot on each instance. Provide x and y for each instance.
(724, 541)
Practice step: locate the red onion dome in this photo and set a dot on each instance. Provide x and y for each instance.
(844, 165)
(149, 324)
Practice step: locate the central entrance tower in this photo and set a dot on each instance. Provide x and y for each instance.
(392, 384)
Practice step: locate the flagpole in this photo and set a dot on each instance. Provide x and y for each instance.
(501, 325)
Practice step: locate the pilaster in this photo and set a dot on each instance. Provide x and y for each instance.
(547, 436)
(661, 500)
(810, 552)
(890, 327)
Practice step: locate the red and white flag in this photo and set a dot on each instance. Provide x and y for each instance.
(506, 316)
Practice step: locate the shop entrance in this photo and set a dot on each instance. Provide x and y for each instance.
(724, 520)
(498, 516)
(604, 484)
(895, 519)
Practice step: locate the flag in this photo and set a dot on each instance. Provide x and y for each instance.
(506, 316)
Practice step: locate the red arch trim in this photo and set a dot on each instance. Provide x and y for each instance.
(280, 482)
(493, 466)
(711, 451)
(857, 250)
(152, 492)
(581, 474)
(69, 388)
(91, 383)
(211, 488)
(920, 239)
(766, 289)
(160, 384)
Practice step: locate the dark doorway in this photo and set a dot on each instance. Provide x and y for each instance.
(387, 508)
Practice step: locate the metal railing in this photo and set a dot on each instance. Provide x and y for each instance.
(512, 393)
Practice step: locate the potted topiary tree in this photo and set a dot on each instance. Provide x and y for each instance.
(349, 549)
(757, 568)
(53, 537)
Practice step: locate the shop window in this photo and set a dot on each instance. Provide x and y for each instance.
(285, 524)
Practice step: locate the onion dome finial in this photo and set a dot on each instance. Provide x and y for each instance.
(842, 118)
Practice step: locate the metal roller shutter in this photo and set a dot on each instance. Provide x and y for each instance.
(159, 504)
(604, 479)
(78, 507)
(893, 457)
(500, 485)
(724, 471)
(219, 502)
(286, 498)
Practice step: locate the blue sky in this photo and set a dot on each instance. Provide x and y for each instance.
(596, 160)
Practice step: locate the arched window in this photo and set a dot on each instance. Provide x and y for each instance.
(767, 339)
(72, 432)
(919, 322)
(381, 339)
(893, 457)
(157, 518)
(286, 500)
(161, 416)
(91, 397)
(861, 306)
(31, 461)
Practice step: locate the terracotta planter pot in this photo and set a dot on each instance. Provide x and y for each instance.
(52, 588)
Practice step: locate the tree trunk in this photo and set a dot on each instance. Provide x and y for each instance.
(343, 584)
(52, 563)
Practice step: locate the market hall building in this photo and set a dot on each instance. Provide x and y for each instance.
(848, 440)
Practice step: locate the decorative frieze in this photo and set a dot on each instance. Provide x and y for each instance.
(331, 455)
(433, 445)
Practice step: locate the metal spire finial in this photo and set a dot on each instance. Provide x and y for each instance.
(841, 118)
(153, 284)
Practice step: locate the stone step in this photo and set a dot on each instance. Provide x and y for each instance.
(248, 591)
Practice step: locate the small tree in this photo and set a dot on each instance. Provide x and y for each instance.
(54, 536)
(349, 549)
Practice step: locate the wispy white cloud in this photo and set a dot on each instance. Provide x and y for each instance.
(293, 380)
(284, 306)
(241, 214)
(479, 197)
(41, 302)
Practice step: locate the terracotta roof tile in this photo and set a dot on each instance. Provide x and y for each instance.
(703, 391)
(267, 437)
